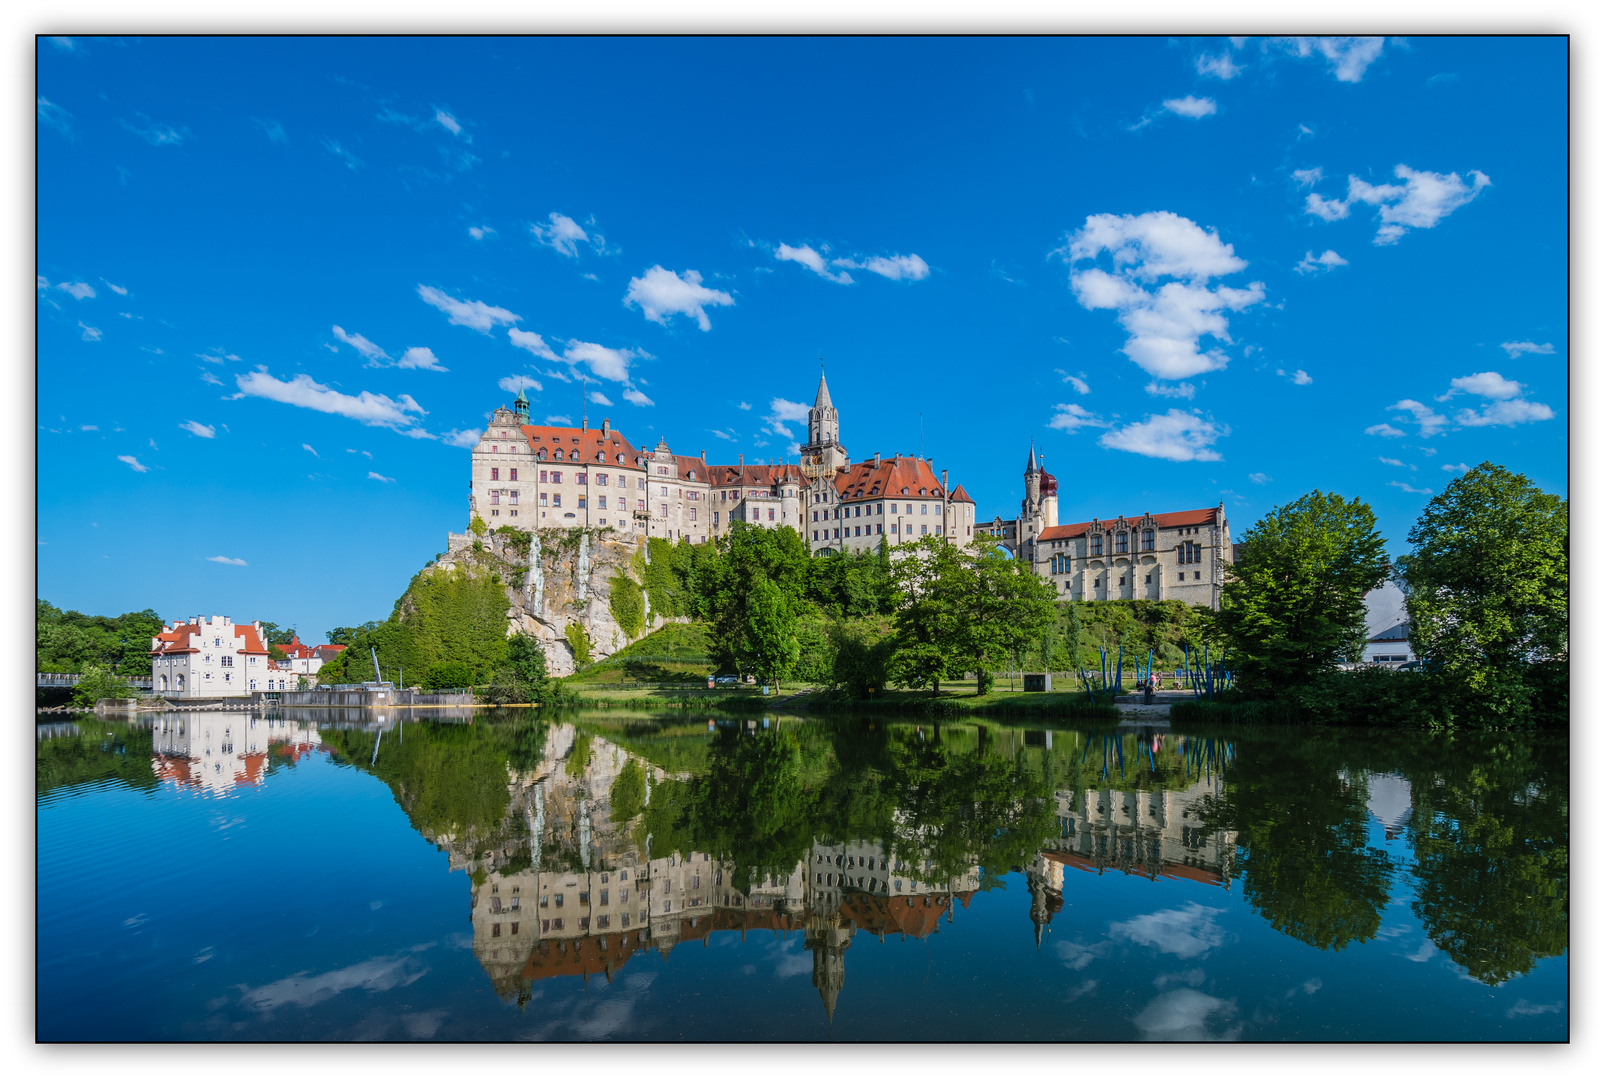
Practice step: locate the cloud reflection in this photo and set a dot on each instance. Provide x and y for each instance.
(1185, 932)
(1184, 1015)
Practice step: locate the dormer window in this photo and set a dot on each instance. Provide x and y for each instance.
(905, 491)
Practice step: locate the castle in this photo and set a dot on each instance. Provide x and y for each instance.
(597, 478)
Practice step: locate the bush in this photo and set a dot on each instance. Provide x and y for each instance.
(447, 673)
(627, 602)
(861, 652)
(98, 682)
(579, 643)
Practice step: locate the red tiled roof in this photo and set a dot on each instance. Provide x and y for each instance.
(722, 476)
(253, 643)
(327, 648)
(1167, 870)
(960, 495)
(889, 476)
(1165, 521)
(691, 468)
(174, 641)
(590, 440)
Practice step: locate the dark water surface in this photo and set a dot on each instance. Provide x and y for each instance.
(298, 875)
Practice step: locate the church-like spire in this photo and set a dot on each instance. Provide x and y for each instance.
(822, 399)
(1031, 465)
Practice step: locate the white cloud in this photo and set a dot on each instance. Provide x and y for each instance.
(1077, 382)
(1164, 324)
(563, 235)
(474, 314)
(54, 116)
(1407, 488)
(596, 397)
(1221, 67)
(382, 479)
(1184, 932)
(1077, 956)
(1072, 417)
(531, 342)
(1175, 436)
(479, 232)
(1424, 199)
(813, 260)
(1387, 431)
(1184, 1016)
(744, 407)
(783, 412)
(1184, 390)
(460, 438)
(90, 332)
(1327, 260)
(1486, 384)
(96, 427)
(1460, 468)
(309, 450)
(154, 133)
(722, 435)
(118, 289)
(1259, 478)
(133, 462)
(420, 358)
(225, 560)
(896, 267)
(375, 410)
(370, 352)
(78, 290)
(1505, 414)
(1308, 177)
(199, 430)
(561, 420)
(448, 121)
(605, 363)
(1300, 377)
(1516, 348)
(1347, 57)
(1394, 461)
(660, 293)
(1191, 107)
(635, 397)
(208, 377)
(514, 383)
(1430, 422)
(344, 156)
(272, 129)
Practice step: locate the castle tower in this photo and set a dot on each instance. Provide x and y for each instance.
(823, 454)
(1033, 480)
(829, 944)
(521, 406)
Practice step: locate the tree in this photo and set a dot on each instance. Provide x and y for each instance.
(931, 639)
(98, 682)
(447, 673)
(1487, 583)
(522, 678)
(1294, 600)
(1005, 607)
(768, 643)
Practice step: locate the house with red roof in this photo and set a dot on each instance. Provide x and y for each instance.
(213, 657)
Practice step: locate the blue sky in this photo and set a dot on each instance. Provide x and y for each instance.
(282, 281)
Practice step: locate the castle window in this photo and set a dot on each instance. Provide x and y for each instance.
(512, 474)
(1097, 545)
(557, 499)
(557, 478)
(495, 474)
(1120, 544)
(601, 478)
(579, 477)
(543, 498)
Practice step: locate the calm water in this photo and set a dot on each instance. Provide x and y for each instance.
(302, 875)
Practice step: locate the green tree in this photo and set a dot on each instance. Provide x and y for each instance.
(522, 678)
(447, 673)
(1488, 582)
(931, 636)
(627, 603)
(98, 682)
(1294, 600)
(627, 797)
(768, 642)
(1005, 608)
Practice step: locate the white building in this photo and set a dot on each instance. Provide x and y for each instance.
(1387, 626)
(211, 657)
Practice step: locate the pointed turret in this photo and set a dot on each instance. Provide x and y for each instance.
(521, 404)
(822, 399)
(1031, 465)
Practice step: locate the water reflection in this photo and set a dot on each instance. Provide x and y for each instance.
(591, 843)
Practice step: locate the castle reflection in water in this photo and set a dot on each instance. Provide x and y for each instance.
(585, 896)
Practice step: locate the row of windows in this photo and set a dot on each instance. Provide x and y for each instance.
(1122, 541)
(871, 511)
(876, 530)
(556, 477)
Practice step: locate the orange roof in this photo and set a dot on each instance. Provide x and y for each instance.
(1167, 870)
(754, 475)
(1164, 521)
(253, 643)
(175, 640)
(588, 441)
(960, 495)
(889, 476)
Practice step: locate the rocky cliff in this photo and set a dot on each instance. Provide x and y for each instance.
(570, 589)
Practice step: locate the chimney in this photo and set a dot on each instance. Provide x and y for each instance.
(741, 461)
(704, 458)
(877, 457)
(607, 428)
